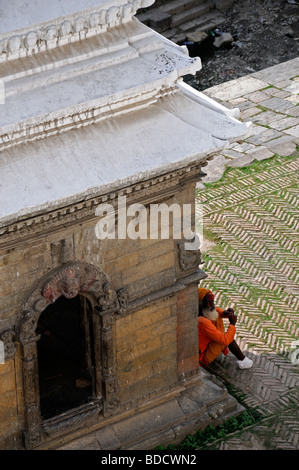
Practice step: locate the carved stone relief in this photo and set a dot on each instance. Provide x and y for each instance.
(188, 259)
(72, 27)
(62, 251)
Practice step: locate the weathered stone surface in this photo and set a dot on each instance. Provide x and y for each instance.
(283, 146)
(236, 88)
(202, 401)
(222, 4)
(261, 153)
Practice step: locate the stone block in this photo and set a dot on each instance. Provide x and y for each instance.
(284, 123)
(267, 117)
(276, 74)
(223, 4)
(294, 111)
(191, 14)
(261, 153)
(276, 104)
(148, 422)
(159, 20)
(249, 112)
(293, 131)
(283, 146)
(107, 438)
(236, 88)
(263, 137)
(153, 266)
(244, 160)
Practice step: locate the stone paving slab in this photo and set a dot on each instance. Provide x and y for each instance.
(269, 99)
(250, 249)
(279, 73)
(236, 88)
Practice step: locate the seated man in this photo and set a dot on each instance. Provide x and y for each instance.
(213, 339)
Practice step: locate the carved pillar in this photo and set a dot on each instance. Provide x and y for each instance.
(109, 383)
(31, 393)
(109, 304)
(28, 339)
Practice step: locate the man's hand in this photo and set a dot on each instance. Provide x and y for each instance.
(227, 312)
(232, 318)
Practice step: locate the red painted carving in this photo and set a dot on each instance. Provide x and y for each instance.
(69, 281)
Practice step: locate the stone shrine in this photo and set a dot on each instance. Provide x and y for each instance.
(100, 333)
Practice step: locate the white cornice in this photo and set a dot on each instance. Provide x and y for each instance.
(35, 38)
(76, 117)
(103, 76)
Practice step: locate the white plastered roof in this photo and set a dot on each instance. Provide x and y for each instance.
(104, 112)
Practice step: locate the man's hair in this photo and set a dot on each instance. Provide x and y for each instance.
(202, 305)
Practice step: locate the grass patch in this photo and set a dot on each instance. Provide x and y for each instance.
(234, 174)
(203, 439)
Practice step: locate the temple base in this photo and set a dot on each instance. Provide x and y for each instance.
(201, 402)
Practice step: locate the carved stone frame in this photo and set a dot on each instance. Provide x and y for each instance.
(69, 280)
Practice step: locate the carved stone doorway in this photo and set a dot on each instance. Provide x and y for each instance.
(65, 355)
(85, 290)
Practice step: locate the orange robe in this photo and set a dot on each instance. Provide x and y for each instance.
(212, 337)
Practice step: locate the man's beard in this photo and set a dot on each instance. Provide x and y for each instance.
(210, 314)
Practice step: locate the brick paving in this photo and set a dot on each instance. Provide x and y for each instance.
(250, 251)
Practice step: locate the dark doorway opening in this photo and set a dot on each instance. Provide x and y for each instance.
(65, 355)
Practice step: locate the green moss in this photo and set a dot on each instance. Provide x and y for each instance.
(204, 438)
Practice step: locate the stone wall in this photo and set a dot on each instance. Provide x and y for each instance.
(155, 341)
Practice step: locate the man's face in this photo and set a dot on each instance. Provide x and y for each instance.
(210, 303)
(208, 308)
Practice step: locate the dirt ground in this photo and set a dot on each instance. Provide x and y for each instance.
(265, 33)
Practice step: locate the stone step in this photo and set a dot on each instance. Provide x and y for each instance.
(178, 6)
(192, 13)
(205, 23)
(158, 3)
(174, 13)
(157, 19)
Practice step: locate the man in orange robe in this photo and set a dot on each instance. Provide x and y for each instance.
(212, 337)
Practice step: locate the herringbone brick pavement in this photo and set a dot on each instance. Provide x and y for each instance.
(250, 218)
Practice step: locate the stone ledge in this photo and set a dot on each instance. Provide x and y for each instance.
(203, 401)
